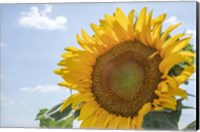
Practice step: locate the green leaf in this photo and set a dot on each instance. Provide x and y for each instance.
(68, 123)
(163, 120)
(191, 126)
(62, 124)
(55, 108)
(58, 115)
(54, 118)
(189, 47)
(191, 95)
(187, 107)
(47, 123)
(186, 82)
(181, 106)
(70, 90)
(76, 113)
(168, 37)
(177, 69)
(41, 113)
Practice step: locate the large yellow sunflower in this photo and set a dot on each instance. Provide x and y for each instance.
(122, 72)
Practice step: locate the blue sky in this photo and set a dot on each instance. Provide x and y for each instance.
(33, 36)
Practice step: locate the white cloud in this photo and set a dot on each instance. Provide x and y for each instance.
(192, 32)
(1, 76)
(44, 89)
(6, 101)
(39, 19)
(2, 44)
(172, 20)
(22, 102)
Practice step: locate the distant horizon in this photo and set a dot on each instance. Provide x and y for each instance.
(33, 37)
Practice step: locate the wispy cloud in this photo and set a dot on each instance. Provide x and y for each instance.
(22, 102)
(44, 89)
(39, 19)
(172, 20)
(2, 44)
(6, 101)
(192, 32)
(1, 76)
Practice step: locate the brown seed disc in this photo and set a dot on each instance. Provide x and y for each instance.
(124, 79)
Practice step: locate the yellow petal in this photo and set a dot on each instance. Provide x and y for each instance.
(125, 123)
(171, 100)
(57, 71)
(68, 101)
(104, 36)
(149, 18)
(85, 46)
(171, 41)
(133, 123)
(88, 109)
(106, 121)
(141, 20)
(130, 33)
(145, 109)
(119, 31)
(179, 92)
(139, 121)
(185, 74)
(90, 122)
(163, 95)
(69, 55)
(166, 103)
(158, 108)
(107, 27)
(171, 60)
(86, 122)
(156, 35)
(71, 48)
(166, 85)
(163, 87)
(93, 121)
(147, 30)
(131, 16)
(84, 97)
(109, 20)
(86, 37)
(114, 123)
(70, 85)
(187, 54)
(142, 112)
(130, 26)
(77, 65)
(83, 57)
(172, 82)
(158, 20)
(179, 45)
(121, 18)
(169, 106)
(82, 79)
(168, 30)
(101, 118)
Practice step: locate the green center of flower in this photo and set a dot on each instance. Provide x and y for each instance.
(127, 80)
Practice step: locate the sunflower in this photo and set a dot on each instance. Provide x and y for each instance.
(122, 71)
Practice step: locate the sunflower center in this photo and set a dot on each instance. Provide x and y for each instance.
(127, 79)
(124, 78)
